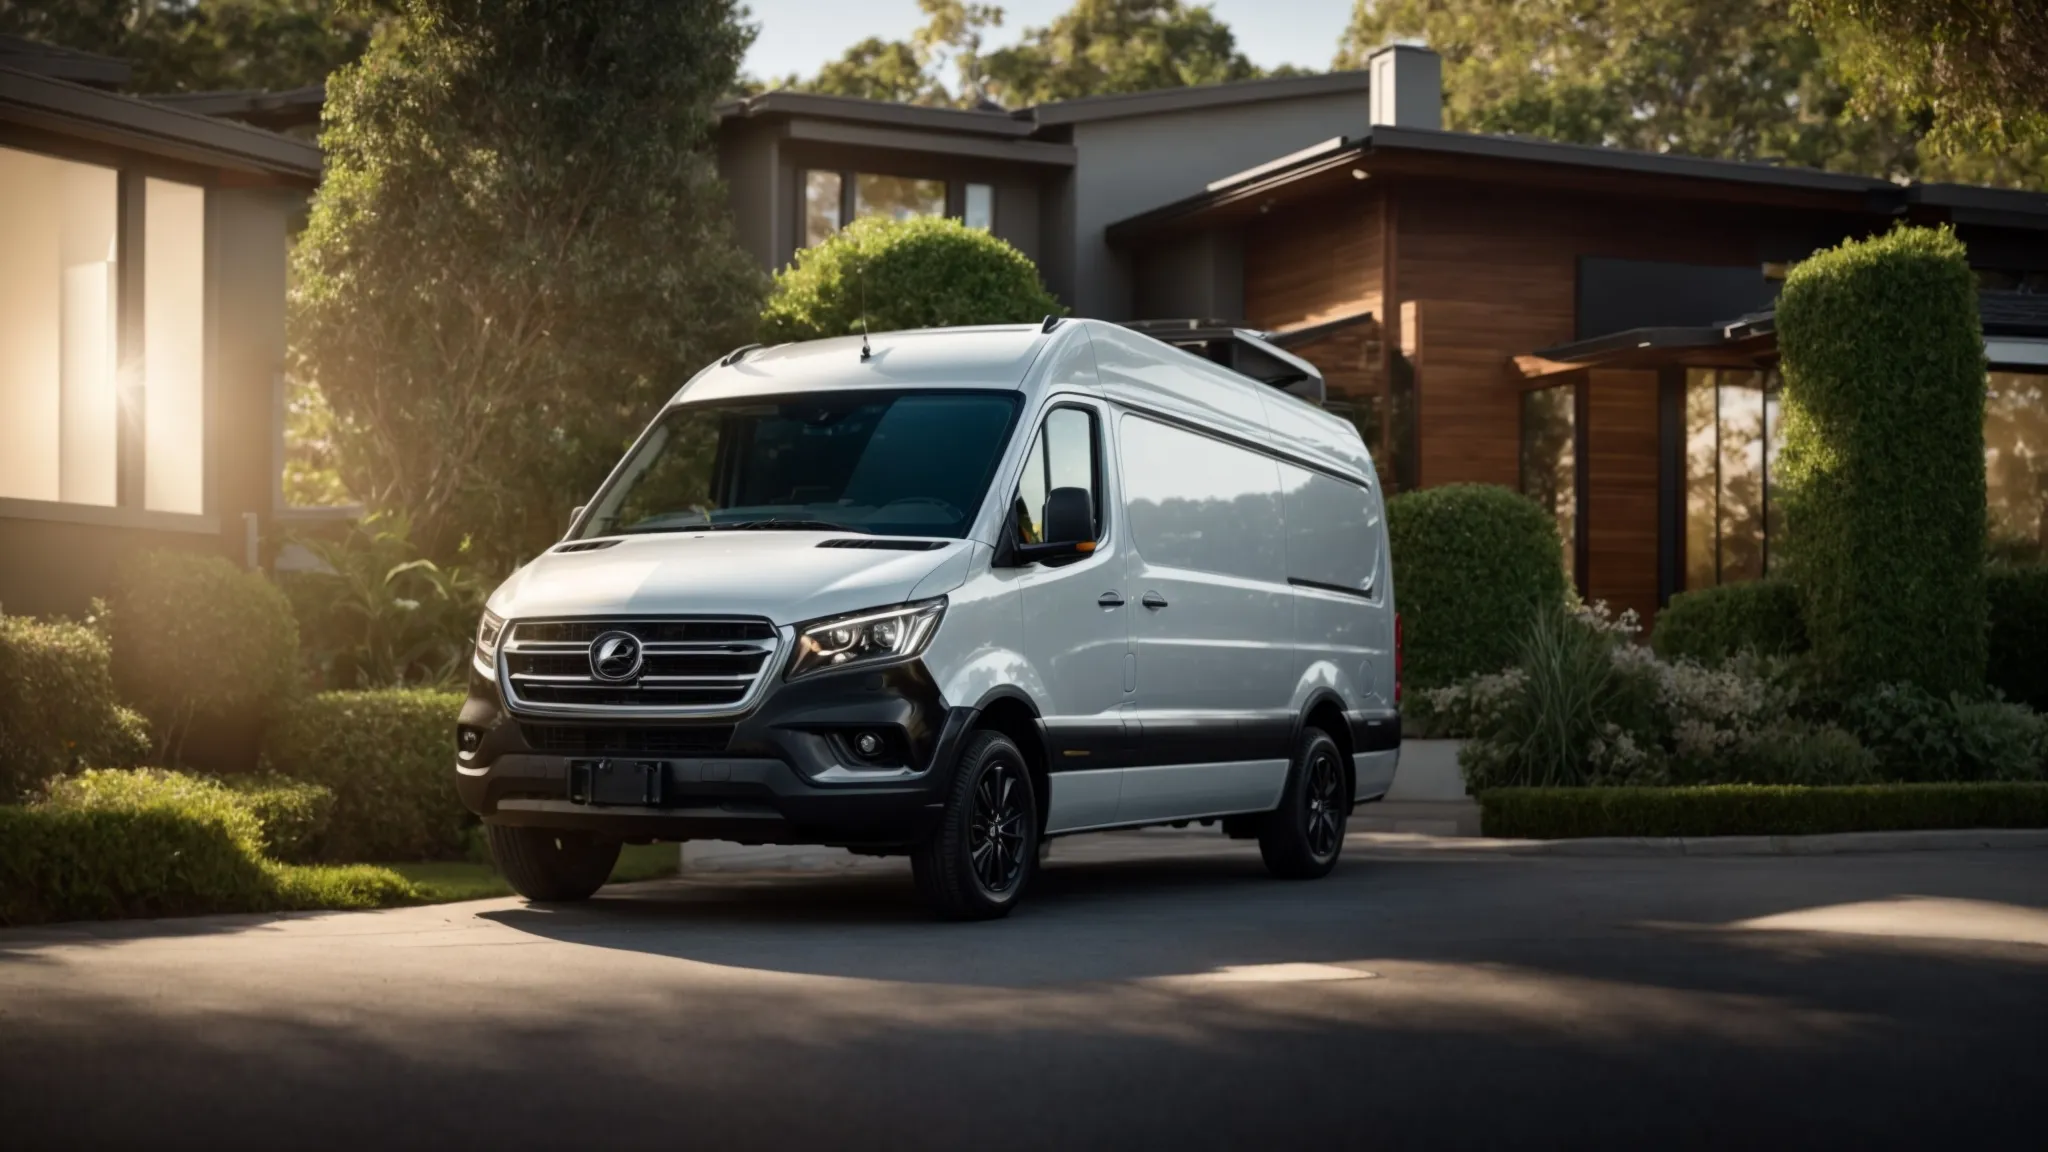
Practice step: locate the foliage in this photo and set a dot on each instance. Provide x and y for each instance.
(58, 709)
(207, 45)
(290, 815)
(520, 246)
(126, 844)
(1920, 736)
(1711, 624)
(312, 458)
(384, 617)
(388, 757)
(1473, 563)
(198, 639)
(924, 272)
(2018, 664)
(1755, 810)
(1979, 66)
(1884, 378)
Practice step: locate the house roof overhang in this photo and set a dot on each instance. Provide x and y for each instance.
(70, 109)
(1167, 100)
(25, 55)
(291, 108)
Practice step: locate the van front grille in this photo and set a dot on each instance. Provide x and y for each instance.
(683, 667)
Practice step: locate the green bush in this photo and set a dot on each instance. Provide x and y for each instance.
(198, 639)
(1711, 624)
(2018, 665)
(1918, 736)
(293, 814)
(1882, 472)
(112, 844)
(1473, 564)
(926, 272)
(290, 815)
(1757, 810)
(384, 617)
(389, 756)
(57, 705)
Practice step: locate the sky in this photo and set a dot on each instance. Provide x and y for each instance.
(799, 35)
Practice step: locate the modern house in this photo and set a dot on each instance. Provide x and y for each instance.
(1589, 325)
(142, 285)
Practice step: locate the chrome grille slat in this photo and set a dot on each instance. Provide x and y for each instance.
(689, 667)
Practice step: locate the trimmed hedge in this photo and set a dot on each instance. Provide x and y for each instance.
(290, 815)
(1473, 564)
(198, 639)
(1757, 810)
(1712, 624)
(1882, 471)
(2018, 664)
(57, 705)
(927, 272)
(389, 757)
(162, 844)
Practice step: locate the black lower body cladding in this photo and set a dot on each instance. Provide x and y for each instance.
(779, 775)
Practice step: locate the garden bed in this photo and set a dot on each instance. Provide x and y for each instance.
(1758, 810)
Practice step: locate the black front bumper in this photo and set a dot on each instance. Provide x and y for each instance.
(765, 778)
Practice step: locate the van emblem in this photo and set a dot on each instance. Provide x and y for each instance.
(615, 656)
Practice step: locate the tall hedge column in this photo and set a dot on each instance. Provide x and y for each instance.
(1882, 473)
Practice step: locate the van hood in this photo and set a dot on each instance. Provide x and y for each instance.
(785, 577)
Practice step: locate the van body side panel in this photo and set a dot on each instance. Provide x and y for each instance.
(1190, 791)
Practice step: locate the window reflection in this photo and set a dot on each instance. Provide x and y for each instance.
(821, 206)
(2016, 464)
(897, 197)
(1550, 467)
(1731, 440)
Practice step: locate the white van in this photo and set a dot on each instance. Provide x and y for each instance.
(949, 594)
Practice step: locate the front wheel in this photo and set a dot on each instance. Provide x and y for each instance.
(1300, 839)
(976, 865)
(549, 866)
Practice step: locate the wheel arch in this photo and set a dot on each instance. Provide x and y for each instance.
(1324, 709)
(1011, 712)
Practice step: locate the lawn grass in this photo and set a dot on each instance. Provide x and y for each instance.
(445, 881)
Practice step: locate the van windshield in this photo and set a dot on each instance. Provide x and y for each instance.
(886, 463)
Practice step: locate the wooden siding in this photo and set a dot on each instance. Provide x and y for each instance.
(1313, 263)
(1621, 490)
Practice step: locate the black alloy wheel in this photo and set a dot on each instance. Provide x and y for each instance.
(1301, 839)
(979, 861)
(995, 829)
(1325, 797)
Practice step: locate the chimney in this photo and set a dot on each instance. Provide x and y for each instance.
(1407, 87)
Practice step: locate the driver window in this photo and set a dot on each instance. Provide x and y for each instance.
(1063, 455)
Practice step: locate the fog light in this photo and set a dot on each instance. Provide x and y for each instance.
(868, 745)
(468, 738)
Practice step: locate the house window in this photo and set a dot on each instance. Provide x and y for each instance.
(897, 197)
(2016, 464)
(978, 207)
(1732, 436)
(173, 347)
(823, 193)
(59, 330)
(1550, 461)
(834, 199)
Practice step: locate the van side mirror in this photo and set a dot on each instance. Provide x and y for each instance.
(1069, 527)
(575, 514)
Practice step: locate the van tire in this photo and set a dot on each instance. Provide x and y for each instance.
(991, 793)
(550, 866)
(1301, 839)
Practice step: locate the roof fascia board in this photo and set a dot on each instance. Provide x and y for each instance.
(1315, 165)
(128, 122)
(882, 112)
(1168, 100)
(940, 143)
(39, 59)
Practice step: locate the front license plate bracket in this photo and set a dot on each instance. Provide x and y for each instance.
(618, 783)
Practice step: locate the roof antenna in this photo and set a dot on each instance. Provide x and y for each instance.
(861, 270)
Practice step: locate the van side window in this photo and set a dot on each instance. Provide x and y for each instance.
(1064, 454)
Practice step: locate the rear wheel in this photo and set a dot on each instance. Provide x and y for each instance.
(552, 866)
(978, 862)
(1300, 839)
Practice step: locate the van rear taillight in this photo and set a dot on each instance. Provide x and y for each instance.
(1397, 659)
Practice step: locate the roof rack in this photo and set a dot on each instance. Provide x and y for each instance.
(1245, 351)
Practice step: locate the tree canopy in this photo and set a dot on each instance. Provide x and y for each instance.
(1980, 67)
(924, 272)
(207, 45)
(521, 245)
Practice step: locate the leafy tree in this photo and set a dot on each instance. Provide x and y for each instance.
(1980, 66)
(207, 45)
(520, 247)
(923, 272)
(1105, 46)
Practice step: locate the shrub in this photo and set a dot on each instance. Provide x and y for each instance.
(290, 815)
(389, 756)
(57, 706)
(1758, 810)
(198, 639)
(384, 617)
(1711, 624)
(1919, 736)
(1884, 380)
(2018, 664)
(520, 248)
(926, 272)
(1473, 564)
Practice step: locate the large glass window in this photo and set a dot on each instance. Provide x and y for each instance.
(1731, 442)
(2016, 463)
(59, 328)
(892, 464)
(897, 197)
(822, 198)
(1550, 461)
(173, 347)
(978, 207)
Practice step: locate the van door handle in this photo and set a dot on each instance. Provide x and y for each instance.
(1110, 600)
(1153, 600)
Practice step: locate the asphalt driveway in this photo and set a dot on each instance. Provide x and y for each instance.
(1153, 994)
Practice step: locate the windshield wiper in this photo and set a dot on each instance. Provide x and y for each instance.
(785, 526)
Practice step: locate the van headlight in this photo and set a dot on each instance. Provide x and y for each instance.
(487, 632)
(865, 637)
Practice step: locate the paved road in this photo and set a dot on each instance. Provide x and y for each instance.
(1148, 997)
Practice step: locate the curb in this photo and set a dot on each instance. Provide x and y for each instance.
(1829, 844)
